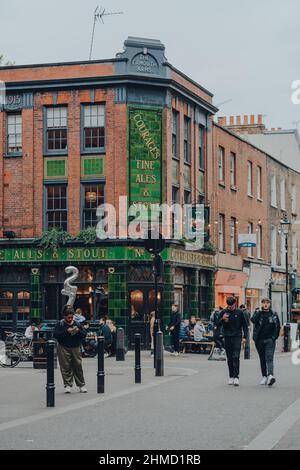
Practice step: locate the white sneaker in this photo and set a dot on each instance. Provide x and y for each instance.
(271, 380)
(230, 381)
(236, 382)
(176, 354)
(83, 390)
(67, 389)
(264, 381)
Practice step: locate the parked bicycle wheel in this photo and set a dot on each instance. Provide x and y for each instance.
(10, 355)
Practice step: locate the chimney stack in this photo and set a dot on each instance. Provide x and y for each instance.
(246, 120)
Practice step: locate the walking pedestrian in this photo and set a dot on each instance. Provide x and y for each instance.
(69, 335)
(265, 334)
(234, 326)
(174, 327)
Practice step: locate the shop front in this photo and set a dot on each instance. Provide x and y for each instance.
(113, 280)
(229, 284)
(257, 285)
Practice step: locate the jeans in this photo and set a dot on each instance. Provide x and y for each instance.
(233, 351)
(175, 339)
(266, 350)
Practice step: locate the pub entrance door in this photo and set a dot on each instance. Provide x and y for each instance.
(141, 304)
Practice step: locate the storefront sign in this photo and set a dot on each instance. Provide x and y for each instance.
(83, 254)
(145, 159)
(195, 259)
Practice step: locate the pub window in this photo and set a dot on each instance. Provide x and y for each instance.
(56, 129)
(233, 236)
(56, 207)
(232, 170)
(93, 198)
(94, 127)
(222, 232)
(14, 133)
(187, 132)
(221, 165)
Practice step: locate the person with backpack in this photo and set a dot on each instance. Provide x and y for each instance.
(69, 335)
(265, 334)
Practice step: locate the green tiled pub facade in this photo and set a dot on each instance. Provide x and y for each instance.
(31, 281)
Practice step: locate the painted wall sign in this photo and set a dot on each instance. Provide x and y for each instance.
(145, 158)
(145, 63)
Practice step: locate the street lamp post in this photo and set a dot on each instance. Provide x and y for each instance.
(285, 227)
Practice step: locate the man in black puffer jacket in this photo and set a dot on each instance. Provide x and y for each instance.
(265, 333)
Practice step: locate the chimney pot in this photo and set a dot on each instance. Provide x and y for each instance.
(246, 119)
(232, 120)
(252, 119)
(259, 119)
(238, 120)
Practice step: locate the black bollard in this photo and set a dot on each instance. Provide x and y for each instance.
(155, 330)
(287, 337)
(137, 368)
(247, 347)
(159, 354)
(100, 373)
(120, 352)
(50, 387)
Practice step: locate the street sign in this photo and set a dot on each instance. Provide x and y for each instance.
(247, 240)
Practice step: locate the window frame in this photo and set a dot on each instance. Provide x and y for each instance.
(232, 158)
(55, 152)
(273, 187)
(282, 194)
(187, 141)
(84, 183)
(221, 218)
(250, 167)
(47, 184)
(221, 151)
(175, 120)
(13, 154)
(233, 236)
(94, 150)
(201, 148)
(259, 183)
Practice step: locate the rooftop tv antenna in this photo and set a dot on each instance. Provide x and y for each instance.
(99, 14)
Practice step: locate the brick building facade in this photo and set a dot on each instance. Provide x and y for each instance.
(69, 140)
(239, 206)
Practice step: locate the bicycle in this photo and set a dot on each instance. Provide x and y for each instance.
(16, 348)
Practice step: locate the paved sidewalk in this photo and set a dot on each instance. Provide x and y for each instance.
(192, 407)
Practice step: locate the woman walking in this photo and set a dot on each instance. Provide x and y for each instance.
(265, 333)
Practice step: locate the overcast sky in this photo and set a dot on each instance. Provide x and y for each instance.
(246, 52)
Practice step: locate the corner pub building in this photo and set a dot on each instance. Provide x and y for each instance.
(68, 142)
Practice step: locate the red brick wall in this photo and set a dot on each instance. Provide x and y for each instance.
(238, 204)
(21, 195)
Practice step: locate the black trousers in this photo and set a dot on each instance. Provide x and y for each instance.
(266, 350)
(175, 339)
(233, 351)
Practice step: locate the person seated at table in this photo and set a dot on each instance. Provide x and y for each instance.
(191, 326)
(29, 331)
(183, 331)
(199, 330)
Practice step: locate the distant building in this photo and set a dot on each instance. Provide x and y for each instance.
(282, 150)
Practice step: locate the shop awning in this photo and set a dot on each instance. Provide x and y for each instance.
(230, 282)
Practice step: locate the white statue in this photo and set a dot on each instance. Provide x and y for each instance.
(68, 289)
